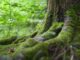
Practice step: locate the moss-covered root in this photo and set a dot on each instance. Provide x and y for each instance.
(51, 33)
(29, 52)
(23, 38)
(29, 49)
(54, 30)
(6, 41)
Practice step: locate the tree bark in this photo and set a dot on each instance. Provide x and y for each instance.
(49, 18)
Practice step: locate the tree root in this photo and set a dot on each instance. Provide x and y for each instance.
(30, 50)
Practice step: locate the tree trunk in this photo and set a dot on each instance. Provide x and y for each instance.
(49, 18)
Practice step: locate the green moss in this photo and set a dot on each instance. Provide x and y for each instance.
(4, 49)
(6, 41)
(20, 39)
(29, 43)
(78, 52)
(55, 26)
(48, 21)
(50, 33)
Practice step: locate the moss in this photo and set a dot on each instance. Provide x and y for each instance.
(27, 52)
(30, 47)
(9, 40)
(55, 26)
(29, 43)
(4, 49)
(78, 52)
(51, 33)
(33, 34)
(20, 39)
(48, 22)
(30, 51)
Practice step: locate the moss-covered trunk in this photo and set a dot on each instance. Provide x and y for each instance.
(49, 18)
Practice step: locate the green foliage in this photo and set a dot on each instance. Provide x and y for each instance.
(16, 17)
